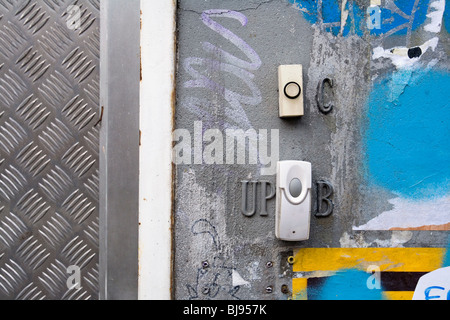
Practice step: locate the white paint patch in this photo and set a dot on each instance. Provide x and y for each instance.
(397, 240)
(411, 214)
(344, 16)
(356, 241)
(399, 55)
(434, 285)
(399, 60)
(254, 271)
(238, 280)
(432, 63)
(195, 204)
(400, 51)
(435, 16)
(432, 43)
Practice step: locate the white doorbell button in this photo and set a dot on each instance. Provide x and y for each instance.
(292, 90)
(295, 187)
(293, 200)
(290, 83)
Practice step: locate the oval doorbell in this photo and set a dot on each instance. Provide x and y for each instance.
(293, 200)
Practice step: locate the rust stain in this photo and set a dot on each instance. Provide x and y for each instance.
(101, 116)
(433, 227)
(140, 63)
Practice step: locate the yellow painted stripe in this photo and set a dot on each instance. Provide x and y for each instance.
(387, 259)
(299, 289)
(398, 295)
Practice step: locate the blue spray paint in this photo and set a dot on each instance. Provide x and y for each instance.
(391, 19)
(407, 134)
(346, 285)
(420, 15)
(330, 12)
(404, 17)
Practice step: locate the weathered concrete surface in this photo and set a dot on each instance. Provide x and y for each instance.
(219, 252)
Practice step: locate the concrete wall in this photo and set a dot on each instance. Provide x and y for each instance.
(384, 147)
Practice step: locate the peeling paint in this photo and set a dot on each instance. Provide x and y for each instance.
(383, 79)
(398, 239)
(399, 55)
(436, 16)
(405, 149)
(412, 215)
(238, 280)
(347, 273)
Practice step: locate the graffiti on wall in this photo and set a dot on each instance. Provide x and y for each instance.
(405, 121)
(405, 149)
(368, 273)
(226, 63)
(380, 19)
(434, 285)
(404, 137)
(378, 22)
(214, 279)
(221, 103)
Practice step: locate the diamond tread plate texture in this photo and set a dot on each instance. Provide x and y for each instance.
(49, 143)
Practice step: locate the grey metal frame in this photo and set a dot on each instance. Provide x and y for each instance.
(119, 149)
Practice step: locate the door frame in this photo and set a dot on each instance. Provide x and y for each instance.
(158, 61)
(119, 149)
(137, 101)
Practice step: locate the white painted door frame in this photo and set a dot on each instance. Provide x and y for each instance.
(157, 103)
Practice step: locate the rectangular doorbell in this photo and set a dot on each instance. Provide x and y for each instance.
(293, 200)
(290, 88)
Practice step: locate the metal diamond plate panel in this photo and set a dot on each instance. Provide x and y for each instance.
(49, 141)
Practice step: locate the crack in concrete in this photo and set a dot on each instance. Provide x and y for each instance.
(237, 10)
